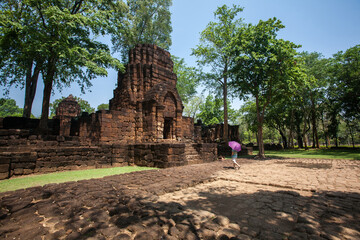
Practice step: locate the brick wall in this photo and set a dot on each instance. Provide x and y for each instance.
(188, 127)
(21, 154)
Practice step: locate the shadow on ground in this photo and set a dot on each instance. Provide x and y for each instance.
(129, 207)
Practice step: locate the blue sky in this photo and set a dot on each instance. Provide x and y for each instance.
(325, 26)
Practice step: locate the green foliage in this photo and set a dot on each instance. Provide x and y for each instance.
(84, 105)
(213, 50)
(346, 74)
(61, 177)
(8, 108)
(265, 67)
(56, 37)
(210, 111)
(146, 21)
(192, 107)
(187, 79)
(103, 106)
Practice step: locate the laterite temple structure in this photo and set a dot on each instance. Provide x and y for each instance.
(144, 126)
(146, 106)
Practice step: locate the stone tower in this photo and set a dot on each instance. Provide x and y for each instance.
(148, 88)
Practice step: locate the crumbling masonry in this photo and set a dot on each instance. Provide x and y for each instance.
(144, 126)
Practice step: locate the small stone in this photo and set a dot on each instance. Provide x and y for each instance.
(173, 231)
(223, 221)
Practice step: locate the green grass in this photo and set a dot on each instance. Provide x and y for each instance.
(350, 154)
(60, 177)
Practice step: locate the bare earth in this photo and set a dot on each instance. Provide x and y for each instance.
(272, 199)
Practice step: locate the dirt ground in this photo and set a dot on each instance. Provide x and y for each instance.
(272, 199)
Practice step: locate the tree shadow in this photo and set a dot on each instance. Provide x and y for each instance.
(108, 210)
(282, 214)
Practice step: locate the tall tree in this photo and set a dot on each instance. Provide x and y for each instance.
(346, 73)
(315, 67)
(20, 49)
(146, 21)
(71, 55)
(265, 67)
(61, 36)
(213, 52)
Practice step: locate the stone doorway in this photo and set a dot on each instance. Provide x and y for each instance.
(168, 128)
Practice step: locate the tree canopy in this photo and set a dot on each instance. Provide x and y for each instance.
(55, 38)
(265, 67)
(144, 22)
(8, 108)
(214, 53)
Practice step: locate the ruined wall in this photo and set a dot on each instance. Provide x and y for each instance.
(21, 154)
(108, 127)
(188, 128)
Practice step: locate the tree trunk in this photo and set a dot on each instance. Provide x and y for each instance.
(226, 127)
(284, 140)
(30, 89)
(336, 141)
(314, 125)
(299, 138)
(305, 138)
(48, 82)
(260, 119)
(351, 134)
(325, 131)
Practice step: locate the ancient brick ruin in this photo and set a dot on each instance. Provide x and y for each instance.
(144, 126)
(146, 107)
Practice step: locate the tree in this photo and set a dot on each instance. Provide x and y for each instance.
(84, 105)
(277, 117)
(8, 108)
(63, 41)
(264, 67)
(346, 70)
(213, 51)
(211, 111)
(187, 79)
(146, 21)
(315, 67)
(103, 106)
(21, 60)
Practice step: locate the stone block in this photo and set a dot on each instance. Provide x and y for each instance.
(4, 175)
(4, 168)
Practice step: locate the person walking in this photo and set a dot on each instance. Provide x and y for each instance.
(234, 157)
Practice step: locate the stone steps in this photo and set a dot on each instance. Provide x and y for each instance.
(192, 156)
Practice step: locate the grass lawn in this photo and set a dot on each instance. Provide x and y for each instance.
(350, 154)
(60, 177)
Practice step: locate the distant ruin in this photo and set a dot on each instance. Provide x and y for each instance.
(144, 126)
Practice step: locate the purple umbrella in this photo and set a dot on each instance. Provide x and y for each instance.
(235, 146)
